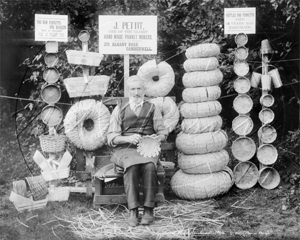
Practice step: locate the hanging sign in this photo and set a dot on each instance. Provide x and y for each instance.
(51, 27)
(128, 34)
(239, 20)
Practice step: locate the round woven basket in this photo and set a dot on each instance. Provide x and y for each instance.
(51, 115)
(242, 125)
(241, 39)
(169, 111)
(203, 163)
(241, 53)
(200, 64)
(201, 94)
(203, 50)
(245, 175)
(53, 143)
(199, 110)
(266, 115)
(242, 85)
(201, 143)
(202, 78)
(269, 178)
(201, 186)
(51, 75)
(267, 100)
(86, 124)
(242, 104)
(201, 125)
(267, 133)
(51, 59)
(164, 74)
(267, 154)
(243, 148)
(50, 93)
(241, 68)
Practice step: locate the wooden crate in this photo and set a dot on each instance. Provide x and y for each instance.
(96, 85)
(84, 58)
(22, 203)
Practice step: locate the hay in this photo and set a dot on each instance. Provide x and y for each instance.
(174, 220)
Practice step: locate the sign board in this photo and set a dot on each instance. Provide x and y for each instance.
(51, 27)
(128, 34)
(239, 20)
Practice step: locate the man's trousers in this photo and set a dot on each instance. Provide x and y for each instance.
(148, 173)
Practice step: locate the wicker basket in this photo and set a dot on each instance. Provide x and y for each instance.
(201, 186)
(245, 175)
(58, 194)
(53, 143)
(38, 187)
(22, 203)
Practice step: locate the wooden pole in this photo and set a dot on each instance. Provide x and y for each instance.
(126, 73)
(265, 60)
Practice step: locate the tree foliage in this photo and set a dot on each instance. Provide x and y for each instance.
(181, 24)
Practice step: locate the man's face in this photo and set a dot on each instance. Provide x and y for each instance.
(136, 91)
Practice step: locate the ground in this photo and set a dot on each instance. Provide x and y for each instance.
(254, 213)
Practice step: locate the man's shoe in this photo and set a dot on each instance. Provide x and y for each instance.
(133, 220)
(147, 216)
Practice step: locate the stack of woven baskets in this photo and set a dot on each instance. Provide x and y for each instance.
(202, 160)
(243, 148)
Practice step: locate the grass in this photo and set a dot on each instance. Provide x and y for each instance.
(255, 213)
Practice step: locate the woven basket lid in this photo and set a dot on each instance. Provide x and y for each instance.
(242, 104)
(267, 133)
(267, 100)
(243, 148)
(51, 115)
(269, 178)
(241, 39)
(241, 53)
(242, 85)
(267, 154)
(51, 59)
(241, 68)
(245, 175)
(51, 75)
(50, 93)
(266, 115)
(242, 125)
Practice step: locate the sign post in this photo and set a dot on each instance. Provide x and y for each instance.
(127, 35)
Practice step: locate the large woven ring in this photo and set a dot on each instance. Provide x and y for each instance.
(159, 78)
(53, 143)
(86, 124)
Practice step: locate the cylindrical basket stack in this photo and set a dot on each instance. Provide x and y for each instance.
(202, 160)
(243, 148)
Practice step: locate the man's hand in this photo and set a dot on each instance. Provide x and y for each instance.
(134, 139)
(158, 138)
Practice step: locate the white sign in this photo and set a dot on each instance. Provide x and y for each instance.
(128, 34)
(51, 27)
(239, 20)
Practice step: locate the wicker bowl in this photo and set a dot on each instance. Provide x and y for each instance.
(53, 143)
(201, 186)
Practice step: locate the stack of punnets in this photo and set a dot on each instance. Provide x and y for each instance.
(202, 159)
(243, 148)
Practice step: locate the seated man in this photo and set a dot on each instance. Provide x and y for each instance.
(129, 122)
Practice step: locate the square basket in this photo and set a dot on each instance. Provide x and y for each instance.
(96, 85)
(22, 203)
(84, 58)
(58, 194)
